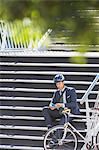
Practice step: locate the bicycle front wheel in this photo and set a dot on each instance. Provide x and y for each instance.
(64, 139)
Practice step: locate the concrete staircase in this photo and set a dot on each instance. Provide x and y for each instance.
(26, 86)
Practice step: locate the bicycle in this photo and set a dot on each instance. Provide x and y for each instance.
(65, 135)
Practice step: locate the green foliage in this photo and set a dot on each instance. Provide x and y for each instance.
(76, 20)
(24, 31)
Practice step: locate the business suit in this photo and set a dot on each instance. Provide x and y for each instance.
(70, 101)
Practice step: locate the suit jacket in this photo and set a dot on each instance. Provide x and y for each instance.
(71, 99)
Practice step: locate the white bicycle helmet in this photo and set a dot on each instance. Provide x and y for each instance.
(59, 78)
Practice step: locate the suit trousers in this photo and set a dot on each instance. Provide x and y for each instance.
(52, 115)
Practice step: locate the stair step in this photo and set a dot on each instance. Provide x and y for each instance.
(39, 90)
(21, 137)
(17, 98)
(28, 108)
(50, 73)
(29, 53)
(44, 81)
(7, 147)
(48, 64)
(11, 127)
(22, 123)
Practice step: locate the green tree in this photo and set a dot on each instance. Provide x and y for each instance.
(75, 20)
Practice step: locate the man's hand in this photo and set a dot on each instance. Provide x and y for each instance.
(52, 108)
(58, 105)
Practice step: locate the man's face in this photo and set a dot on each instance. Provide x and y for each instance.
(60, 85)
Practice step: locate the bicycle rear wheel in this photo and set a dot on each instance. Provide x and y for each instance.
(64, 139)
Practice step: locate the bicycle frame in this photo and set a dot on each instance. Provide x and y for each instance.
(92, 124)
(92, 121)
(88, 110)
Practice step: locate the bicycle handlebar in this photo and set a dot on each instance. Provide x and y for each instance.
(66, 111)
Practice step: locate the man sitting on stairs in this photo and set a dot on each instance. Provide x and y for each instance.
(64, 97)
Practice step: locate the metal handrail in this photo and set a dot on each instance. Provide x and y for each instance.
(9, 39)
(85, 97)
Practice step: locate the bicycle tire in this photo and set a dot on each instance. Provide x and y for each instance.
(57, 128)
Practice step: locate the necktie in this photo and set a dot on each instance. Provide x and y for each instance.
(61, 99)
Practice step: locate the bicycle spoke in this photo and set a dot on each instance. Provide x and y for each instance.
(63, 147)
(68, 147)
(69, 143)
(69, 135)
(69, 140)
